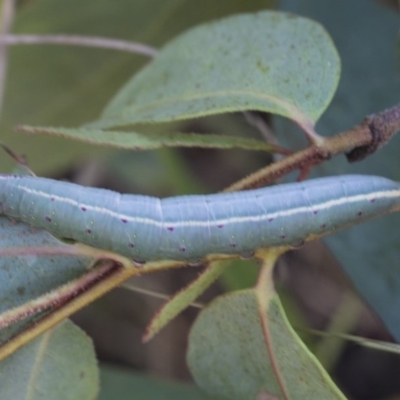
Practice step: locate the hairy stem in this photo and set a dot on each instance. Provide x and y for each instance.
(362, 140)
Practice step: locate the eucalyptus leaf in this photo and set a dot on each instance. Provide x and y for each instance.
(268, 61)
(60, 364)
(228, 355)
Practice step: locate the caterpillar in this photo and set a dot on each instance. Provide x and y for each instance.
(191, 227)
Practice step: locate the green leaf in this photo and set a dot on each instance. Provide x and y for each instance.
(60, 364)
(122, 384)
(269, 61)
(26, 277)
(141, 141)
(228, 355)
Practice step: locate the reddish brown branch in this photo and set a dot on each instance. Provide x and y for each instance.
(356, 143)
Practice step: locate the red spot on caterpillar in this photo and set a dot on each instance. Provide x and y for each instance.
(220, 226)
(83, 208)
(372, 200)
(48, 219)
(52, 199)
(233, 245)
(359, 213)
(315, 212)
(170, 228)
(88, 231)
(124, 220)
(131, 245)
(182, 249)
(323, 226)
(283, 237)
(270, 219)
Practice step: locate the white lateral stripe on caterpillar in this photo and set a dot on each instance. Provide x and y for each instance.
(192, 227)
(234, 220)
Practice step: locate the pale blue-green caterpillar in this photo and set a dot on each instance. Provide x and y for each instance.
(192, 227)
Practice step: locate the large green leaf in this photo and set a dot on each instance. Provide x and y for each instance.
(370, 253)
(228, 355)
(60, 364)
(267, 61)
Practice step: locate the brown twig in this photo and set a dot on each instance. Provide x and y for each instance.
(357, 143)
